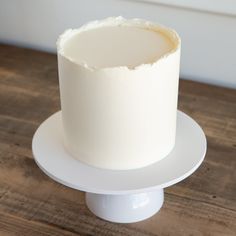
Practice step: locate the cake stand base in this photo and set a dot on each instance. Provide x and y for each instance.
(126, 208)
(122, 196)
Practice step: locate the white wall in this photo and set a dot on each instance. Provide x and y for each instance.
(208, 39)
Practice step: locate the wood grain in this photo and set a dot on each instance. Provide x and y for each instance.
(32, 204)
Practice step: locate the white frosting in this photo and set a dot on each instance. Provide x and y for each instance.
(119, 88)
(77, 45)
(137, 47)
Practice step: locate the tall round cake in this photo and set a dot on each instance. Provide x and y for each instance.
(119, 88)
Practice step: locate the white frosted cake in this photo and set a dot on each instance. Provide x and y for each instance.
(119, 88)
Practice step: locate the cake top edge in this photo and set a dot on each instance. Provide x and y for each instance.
(171, 34)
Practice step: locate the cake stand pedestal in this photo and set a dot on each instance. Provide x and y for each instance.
(122, 196)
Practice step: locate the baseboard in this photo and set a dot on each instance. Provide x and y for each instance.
(225, 7)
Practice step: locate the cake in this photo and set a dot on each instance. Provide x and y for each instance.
(119, 89)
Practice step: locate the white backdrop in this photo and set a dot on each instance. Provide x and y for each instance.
(208, 37)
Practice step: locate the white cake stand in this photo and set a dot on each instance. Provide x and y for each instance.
(120, 196)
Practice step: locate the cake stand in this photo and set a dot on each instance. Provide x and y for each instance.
(122, 196)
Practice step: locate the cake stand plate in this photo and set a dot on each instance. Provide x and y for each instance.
(122, 196)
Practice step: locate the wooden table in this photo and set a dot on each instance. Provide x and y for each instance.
(33, 204)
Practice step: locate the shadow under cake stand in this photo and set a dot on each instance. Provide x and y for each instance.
(120, 196)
